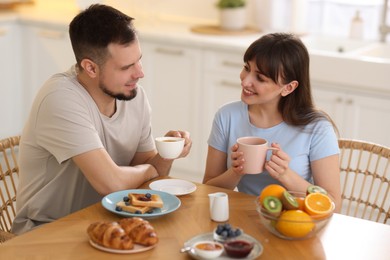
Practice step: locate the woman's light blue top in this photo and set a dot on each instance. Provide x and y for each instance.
(303, 144)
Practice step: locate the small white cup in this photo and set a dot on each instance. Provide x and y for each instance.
(169, 147)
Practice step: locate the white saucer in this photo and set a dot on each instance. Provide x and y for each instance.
(137, 248)
(173, 186)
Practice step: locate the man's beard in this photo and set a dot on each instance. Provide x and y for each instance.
(120, 96)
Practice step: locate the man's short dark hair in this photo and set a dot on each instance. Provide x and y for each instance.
(92, 30)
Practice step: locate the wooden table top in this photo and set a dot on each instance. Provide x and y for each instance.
(343, 238)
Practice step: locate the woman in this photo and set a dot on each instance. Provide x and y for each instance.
(276, 104)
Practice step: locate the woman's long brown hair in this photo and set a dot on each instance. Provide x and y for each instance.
(284, 58)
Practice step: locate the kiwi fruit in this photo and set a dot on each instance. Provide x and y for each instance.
(289, 201)
(316, 189)
(272, 205)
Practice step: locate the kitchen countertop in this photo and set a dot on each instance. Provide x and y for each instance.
(351, 72)
(6, 16)
(178, 33)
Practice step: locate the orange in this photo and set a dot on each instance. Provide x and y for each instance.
(301, 203)
(318, 205)
(275, 190)
(294, 223)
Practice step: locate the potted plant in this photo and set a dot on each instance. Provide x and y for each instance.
(222, 4)
(232, 14)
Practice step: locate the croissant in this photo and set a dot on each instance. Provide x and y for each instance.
(109, 234)
(139, 230)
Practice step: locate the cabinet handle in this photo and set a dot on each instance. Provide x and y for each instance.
(231, 64)
(170, 51)
(230, 84)
(3, 31)
(349, 101)
(339, 100)
(51, 34)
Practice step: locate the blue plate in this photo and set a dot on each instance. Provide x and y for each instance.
(171, 203)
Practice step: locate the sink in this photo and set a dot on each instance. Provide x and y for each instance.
(333, 45)
(348, 48)
(376, 50)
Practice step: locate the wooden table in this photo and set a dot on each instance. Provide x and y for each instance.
(343, 238)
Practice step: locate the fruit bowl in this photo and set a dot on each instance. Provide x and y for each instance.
(294, 224)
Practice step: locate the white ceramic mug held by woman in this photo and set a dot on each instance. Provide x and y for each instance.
(219, 206)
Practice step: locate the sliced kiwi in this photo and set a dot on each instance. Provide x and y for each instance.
(289, 201)
(272, 205)
(316, 189)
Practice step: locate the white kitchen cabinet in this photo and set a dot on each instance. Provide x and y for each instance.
(46, 50)
(358, 115)
(11, 75)
(221, 80)
(221, 84)
(172, 81)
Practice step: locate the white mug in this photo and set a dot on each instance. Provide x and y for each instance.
(219, 206)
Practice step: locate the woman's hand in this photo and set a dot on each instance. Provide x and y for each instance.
(278, 165)
(237, 160)
(187, 141)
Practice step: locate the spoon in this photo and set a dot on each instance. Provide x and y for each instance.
(185, 249)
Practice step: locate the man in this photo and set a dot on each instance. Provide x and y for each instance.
(89, 131)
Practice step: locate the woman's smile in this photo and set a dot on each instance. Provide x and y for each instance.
(248, 92)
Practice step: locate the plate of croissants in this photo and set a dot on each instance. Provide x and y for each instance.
(127, 236)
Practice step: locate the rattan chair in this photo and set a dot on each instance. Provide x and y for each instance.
(365, 180)
(9, 173)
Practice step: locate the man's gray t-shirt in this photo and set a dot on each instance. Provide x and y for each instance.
(65, 122)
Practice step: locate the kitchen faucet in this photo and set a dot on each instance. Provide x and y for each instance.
(384, 29)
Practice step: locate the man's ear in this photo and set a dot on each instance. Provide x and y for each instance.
(289, 88)
(89, 67)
